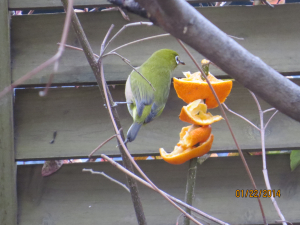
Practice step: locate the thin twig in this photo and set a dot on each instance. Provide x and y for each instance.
(139, 40)
(263, 148)
(123, 28)
(102, 48)
(248, 121)
(79, 49)
(117, 54)
(53, 59)
(268, 110)
(177, 220)
(128, 63)
(118, 166)
(271, 118)
(45, 91)
(108, 177)
(229, 127)
(103, 143)
(234, 37)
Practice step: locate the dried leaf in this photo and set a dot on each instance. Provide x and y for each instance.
(51, 166)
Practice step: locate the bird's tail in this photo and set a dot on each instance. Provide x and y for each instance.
(133, 131)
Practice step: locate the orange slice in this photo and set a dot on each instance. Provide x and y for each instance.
(181, 155)
(193, 87)
(196, 113)
(193, 134)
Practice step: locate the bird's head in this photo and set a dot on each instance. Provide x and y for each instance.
(168, 56)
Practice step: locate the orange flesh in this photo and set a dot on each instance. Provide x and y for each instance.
(193, 87)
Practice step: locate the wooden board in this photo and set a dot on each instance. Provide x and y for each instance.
(71, 195)
(82, 123)
(266, 35)
(8, 197)
(33, 4)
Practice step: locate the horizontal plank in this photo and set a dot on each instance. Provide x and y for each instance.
(34, 39)
(71, 195)
(82, 123)
(33, 4)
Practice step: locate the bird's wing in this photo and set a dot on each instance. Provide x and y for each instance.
(156, 110)
(141, 90)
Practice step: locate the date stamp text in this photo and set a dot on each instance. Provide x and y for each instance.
(251, 193)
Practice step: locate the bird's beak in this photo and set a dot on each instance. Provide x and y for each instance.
(180, 62)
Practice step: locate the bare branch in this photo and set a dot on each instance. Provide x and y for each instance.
(29, 75)
(124, 27)
(190, 186)
(270, 119)
(121, 141)
(116, 120)
(108, 177)
(176, 16)
(103, 143)
(263, 149)
(130, 6)
(79, 49)
(53, 59)
(268, 110)
(139, 40)
(248, 121)
(102, 49)
(228, 124)
(118, 166)
(45, 91)
(128, 63)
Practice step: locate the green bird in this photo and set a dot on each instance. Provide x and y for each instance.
(145, 104)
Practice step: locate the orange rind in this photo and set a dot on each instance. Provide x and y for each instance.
(181, 155)
(196, 113)
(193, 87)
(193, 134)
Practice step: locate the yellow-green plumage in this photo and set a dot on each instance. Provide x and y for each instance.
(145, 104)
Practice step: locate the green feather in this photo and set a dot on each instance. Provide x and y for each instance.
(145, 103)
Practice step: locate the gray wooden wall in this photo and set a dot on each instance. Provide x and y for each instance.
(76, 113)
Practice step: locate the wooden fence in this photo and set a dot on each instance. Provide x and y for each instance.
(77, 114)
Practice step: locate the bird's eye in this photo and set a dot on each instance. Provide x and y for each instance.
(177, 60)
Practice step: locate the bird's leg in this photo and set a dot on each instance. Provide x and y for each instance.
(118, 103)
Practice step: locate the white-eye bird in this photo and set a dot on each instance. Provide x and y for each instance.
(144, 104)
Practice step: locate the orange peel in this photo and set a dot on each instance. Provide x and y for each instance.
(181, 155)
(193, 134)
(196, 113)
(193, 87)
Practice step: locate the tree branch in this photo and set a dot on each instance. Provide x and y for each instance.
(132, 184)
(183, 21)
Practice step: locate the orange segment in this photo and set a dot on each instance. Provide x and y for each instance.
(193, 134)
(181, 155)
(193, 87)
(196, 113)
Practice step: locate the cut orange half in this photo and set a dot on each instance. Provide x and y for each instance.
(181, 155)
(196, 113)
(193, 87)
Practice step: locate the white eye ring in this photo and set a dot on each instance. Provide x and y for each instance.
(177, 60)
